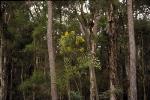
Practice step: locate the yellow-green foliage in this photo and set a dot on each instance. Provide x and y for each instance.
(70, 42)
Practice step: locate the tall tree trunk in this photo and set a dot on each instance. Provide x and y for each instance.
(33, 95)
(90, 32)
(112, 53)
(92, 46)
(1, 30)
(93, 85)
(141, 58)
(2, 71)
(68, 90)
(22, 72)
(11, 83)
(80, 86)
(51, 53)
(132, 56)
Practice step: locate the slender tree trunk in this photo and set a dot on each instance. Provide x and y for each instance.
(126, 84)
(2, 71)
(45, 64)
(2, 82)
(80, 86)
(143, 69)
(132, 50)
(112, 53)
(68, 90)
(24, 98)
(51, 53)
(11, 83)
(1, 30)
(93, 88)
(140, 62)
(33, 95)
(91, 48)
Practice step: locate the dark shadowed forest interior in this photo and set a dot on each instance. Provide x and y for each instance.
(75, 50)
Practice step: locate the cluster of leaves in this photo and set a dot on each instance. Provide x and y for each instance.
(82, 62)
(72, 71)
(70, 43)
(87, 60)
(76, 60)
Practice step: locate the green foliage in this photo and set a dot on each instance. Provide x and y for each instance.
(37, 82)
(28, 41)
(21, 18)
(75, 62)
(102, 39)
(83, 62)
(38, 32)
(62, 82)
(38, 78)
(70, 43)
(87, 60)
(26, 85)
(106, 94)
(75, 95)
(29, 48)
(103, 22)
(72, 71)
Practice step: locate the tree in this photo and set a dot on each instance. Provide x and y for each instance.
(1, 57)
(3, 29)
(51, 52)
(132, 57)
(112, 52)
(89, 27)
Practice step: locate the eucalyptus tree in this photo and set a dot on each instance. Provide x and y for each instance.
(51, 53)
(88, 21)
(112, 34)
(132, 51)
(1, 54)
(5, 16)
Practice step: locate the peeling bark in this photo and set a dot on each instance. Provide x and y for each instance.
(112, 52)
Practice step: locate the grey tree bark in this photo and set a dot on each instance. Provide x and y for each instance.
(93, 88)
(132, 55)
(51, 53)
